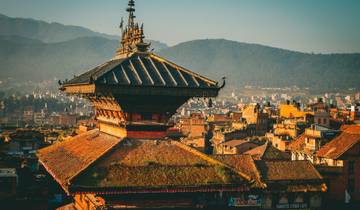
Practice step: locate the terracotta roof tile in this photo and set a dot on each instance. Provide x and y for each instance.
(234, 143)
(298, 144)
(268, 152)
(342, 143)
(155, 164)
(287, 170)
(66, 159)
(353, 129)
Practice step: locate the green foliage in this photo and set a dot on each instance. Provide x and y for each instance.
(151, 163)
(226, 174)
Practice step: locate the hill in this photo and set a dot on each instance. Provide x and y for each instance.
(253, 64)
(44, 31)
(52, 32)
(28, 59)
(37, 50)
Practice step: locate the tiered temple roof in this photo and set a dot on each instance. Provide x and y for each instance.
(134, 70)
(134, 95)
(142, 73)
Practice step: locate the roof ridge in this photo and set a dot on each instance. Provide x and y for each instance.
(89, 135)
(335, 139)
(91, 162)
(183, 68)
(211, 160)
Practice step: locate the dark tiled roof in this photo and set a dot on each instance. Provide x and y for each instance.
(287, 170)
(342, 143)
(298, 144)
(235, 142)
(146, 70)
(267, 152)
(66, 159)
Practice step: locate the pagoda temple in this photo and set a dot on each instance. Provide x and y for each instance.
(128, 161)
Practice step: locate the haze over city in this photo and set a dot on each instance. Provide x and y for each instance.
(323, 26)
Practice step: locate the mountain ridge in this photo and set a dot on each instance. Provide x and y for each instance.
(30, 58)
(258, 64)
(52, 32)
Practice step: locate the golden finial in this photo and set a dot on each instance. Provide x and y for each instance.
(132, 39)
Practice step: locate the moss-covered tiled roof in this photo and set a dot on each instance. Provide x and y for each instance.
(66, 159)
(155, 164)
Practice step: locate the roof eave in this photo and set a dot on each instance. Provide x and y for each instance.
(159, 189)
(139, 90)
(84, 88)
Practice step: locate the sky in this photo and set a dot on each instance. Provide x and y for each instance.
(319, 26)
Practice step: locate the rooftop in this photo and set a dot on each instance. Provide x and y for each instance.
(235, 142)
(341, 144)
(64, 160)
(244, 164)
(155, 164)
(299, 144)
(95, 160)
(134, 67)
(267, 152)
(287, 170)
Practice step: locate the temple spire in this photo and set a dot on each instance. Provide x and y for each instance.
(131, 11)
(132, 39)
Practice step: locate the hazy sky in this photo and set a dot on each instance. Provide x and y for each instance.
(304, 25)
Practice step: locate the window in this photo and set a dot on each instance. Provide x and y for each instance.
(351, 167)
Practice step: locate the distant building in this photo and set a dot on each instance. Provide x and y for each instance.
(40, 118)
(267, 152)
(193, 126)
(306, 145)
(235, 147)
(322, 118)
(254, 115)
(28, 115)
(63, 120)
(24, 143)
(289, 127)
(292, 111)
(281, 142)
